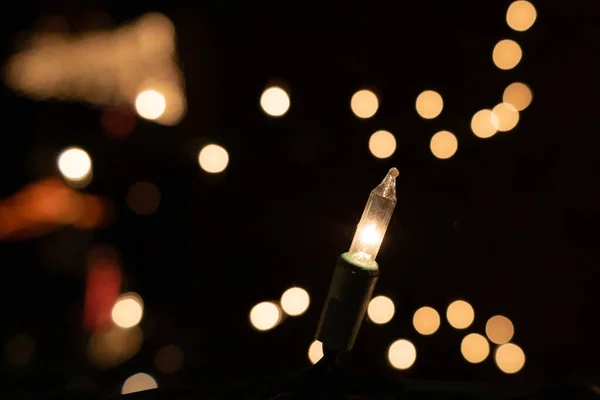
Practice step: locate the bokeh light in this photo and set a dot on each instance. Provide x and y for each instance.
(484, 124)
(19, 350)
(475, 348)
(364, 104)
(168, 359)
(381, 310)
(426, 320)
(402, 354)
(499, 329)
(118, 122)
(460, 314)
(111, 347)
(382, 144)
(150, 104)
(508, 116)
(510, 358)
(518, 95)
(265, 316)
(443, 145)
(128, 310)
(295, 301)
(275, 101)
(429, 104)
(75, 165)
(315, 351)
(138, 383)
(143, 198)
(521, 15)
(213, 158)
(507, 54)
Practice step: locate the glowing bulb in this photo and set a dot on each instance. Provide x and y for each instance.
(374, 221)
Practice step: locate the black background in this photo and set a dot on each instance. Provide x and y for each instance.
(509, 224)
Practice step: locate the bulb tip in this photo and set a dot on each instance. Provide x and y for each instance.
(393, 172)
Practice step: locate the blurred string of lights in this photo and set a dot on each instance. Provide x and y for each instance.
(429, 104)
(135, 64)
(41, 71)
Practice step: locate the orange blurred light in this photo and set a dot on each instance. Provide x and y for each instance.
(43, 206)
(507, 54)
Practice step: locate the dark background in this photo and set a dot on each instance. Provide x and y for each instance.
(509, 224)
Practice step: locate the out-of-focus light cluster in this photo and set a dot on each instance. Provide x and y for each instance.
(364, 104)
(135, 64)
(504, 116)
(275, 101)
(507, 54)
(475, 348)
(267, 315)
(381, 310)
(382, 144)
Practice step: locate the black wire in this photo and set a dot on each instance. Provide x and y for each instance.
(326, 362)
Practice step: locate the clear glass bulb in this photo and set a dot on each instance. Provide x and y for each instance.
(375, 219)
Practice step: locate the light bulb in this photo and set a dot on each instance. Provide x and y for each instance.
(374, 221)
